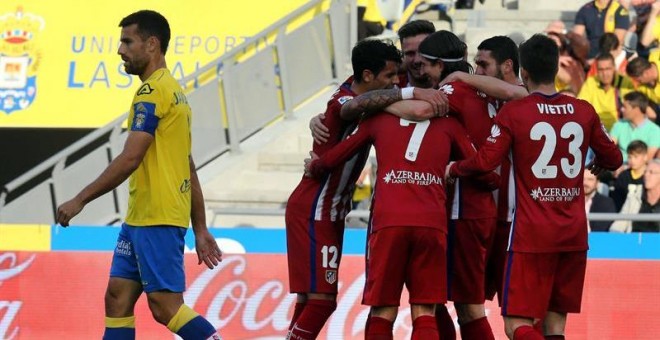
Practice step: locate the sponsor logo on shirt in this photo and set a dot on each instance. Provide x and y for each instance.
(411, 177)
(123, 248)
(494, 133)
(555, 194)
(185, 186)
(344, 99)
(448, 89)
(145, 89)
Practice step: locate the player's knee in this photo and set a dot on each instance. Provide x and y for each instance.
(469, 312)
(116, 303)
(162, 311)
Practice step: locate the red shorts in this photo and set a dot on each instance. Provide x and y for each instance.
(469, 243)
(414, 256)
(539, 282)
(314, 250)
(496, 261)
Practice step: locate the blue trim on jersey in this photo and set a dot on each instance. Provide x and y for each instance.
(312, 236)
(507, 279)
(144, 117)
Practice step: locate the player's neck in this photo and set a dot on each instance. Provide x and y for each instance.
(155, 64)
(359, 88)
(545, 89)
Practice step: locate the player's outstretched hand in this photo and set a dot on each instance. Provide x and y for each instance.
(67, 210)
(437, 99)
(308, 162)
(595, 169)
(320, 132)
(207, 249)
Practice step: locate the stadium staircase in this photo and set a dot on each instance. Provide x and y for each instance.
(261, 170)
(264, 177)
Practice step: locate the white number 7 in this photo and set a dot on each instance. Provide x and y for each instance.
(416, 137)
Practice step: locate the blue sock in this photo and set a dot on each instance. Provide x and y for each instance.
(189, 325)
(119, 328)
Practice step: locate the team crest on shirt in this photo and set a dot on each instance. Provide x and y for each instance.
(145, 89)
(331, 276)
(140, 116)
(447, 88)
(344, 99)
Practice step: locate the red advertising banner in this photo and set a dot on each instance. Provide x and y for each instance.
(52, 295)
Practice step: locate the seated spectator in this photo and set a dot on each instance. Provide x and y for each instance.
(645, 75)
(598, 17)
(609, 43)
(594, 202)
(631, 177)
(635, 125)
(605, 90)
(650, 198)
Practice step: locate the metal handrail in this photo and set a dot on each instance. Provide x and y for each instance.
(98, 133)
(360, 213)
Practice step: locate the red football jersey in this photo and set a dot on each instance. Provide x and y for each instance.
(471, 200)
(548, 138)
(503, 196)
(330, 198)
(411, 157)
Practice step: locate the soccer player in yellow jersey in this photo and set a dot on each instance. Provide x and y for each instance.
(165, 194)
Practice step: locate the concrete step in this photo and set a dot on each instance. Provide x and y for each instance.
(559, 5)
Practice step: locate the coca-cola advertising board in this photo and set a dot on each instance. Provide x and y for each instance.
(59, 294)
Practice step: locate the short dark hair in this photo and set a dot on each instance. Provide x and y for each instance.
(373, 55)
(608, 42)
(149, 23)
(502, 48)
(637, 66)
(539, 56)
(604, 56)
(637, 147)
(414, 28)
(637, 99)
(444, 46)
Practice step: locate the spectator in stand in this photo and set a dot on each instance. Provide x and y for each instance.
(609, 43)
(594, 202)
(635, 125)
(651, 33)
(650, 197)
(598, 17)
(573, 52)
(632, 178)
(605, 90)
(640, 11)
(410, 36)
(370, 21)
(645, 74)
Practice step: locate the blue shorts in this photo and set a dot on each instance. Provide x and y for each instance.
(152, 256)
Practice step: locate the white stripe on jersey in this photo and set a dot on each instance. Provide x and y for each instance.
(455, 204)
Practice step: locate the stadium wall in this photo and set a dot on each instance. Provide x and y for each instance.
(48, 273)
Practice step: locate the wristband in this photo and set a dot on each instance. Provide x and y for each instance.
(407, 92)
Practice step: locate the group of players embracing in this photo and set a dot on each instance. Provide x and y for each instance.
(472, 197)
